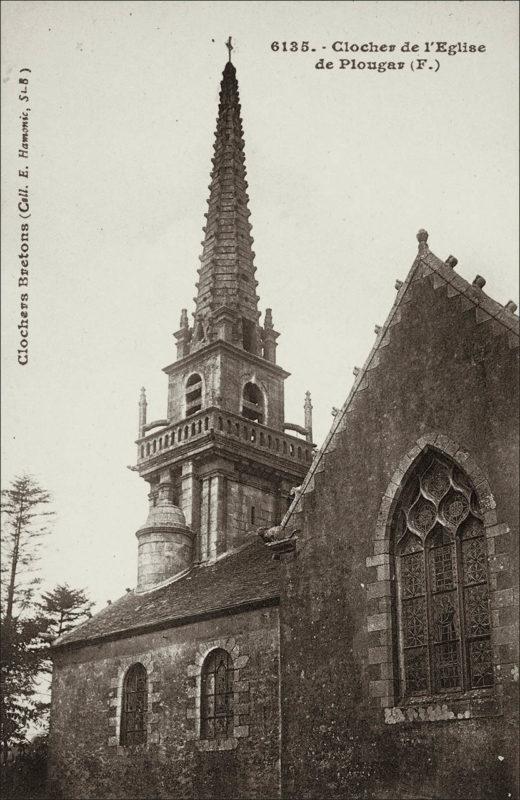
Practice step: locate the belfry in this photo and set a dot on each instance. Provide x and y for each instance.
(223, 461)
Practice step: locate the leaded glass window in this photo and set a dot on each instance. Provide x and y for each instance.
(216, 706)
(134, 706)
(442, 584)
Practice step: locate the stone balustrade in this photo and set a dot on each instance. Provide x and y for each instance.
(234, 426)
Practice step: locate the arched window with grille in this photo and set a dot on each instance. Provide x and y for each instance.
(193, 394)
(442, 582)
(216, 702)
(134, 706)
(253, 403)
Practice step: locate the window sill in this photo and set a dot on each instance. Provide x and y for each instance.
(478, 703)
(216, 744)
(128, 749)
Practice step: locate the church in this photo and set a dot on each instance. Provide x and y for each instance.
(307, 623)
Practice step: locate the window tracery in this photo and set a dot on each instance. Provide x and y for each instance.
(442, 585)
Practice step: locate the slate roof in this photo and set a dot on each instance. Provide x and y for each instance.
(503, 318)
(248, 576)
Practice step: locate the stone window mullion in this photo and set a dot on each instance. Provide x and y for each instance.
(429, 619)
(464, 649)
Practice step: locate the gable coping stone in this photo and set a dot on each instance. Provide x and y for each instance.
(443, 275)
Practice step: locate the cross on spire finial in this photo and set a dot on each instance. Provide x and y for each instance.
(229, 47)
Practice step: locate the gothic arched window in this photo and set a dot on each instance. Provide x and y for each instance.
(253, 403)
(216, 702)
(193, 394)
(442, 583)
(134, 706)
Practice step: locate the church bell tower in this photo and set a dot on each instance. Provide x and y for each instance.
(222, 462)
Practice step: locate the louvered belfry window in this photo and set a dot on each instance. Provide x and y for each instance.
(253, 403)
(442, 583)
(216, 707)
(135, 706)
(193, 394)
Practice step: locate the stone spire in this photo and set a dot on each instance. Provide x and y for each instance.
(227, 270)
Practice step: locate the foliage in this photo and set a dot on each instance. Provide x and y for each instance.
(24, 776)
(23, 517)
(20, 663)
(63, 608)
(24, 514)
(28, 625)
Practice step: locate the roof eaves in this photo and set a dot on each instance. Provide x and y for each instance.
(269, 599)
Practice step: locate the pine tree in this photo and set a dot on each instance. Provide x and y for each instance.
(63, 608)
(24, 513)
(60, 611)
(23, 516)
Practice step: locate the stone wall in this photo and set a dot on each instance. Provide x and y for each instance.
(236, 372)
(231, 510)
(249, 507)
(87, 760)
(444, 377)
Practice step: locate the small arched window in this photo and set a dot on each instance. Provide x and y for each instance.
(442, 582)
(253, 403)
(216, 702)
(134, 706)
(193, 394)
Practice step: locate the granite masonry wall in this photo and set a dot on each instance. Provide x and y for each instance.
(87, 759)
(249, 507)
(444, 378)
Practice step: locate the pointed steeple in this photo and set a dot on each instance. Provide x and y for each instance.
(227, 269)
(226, 306)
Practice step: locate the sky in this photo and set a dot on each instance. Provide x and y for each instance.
(344, 167)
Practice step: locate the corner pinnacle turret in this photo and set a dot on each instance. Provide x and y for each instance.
(226, 306)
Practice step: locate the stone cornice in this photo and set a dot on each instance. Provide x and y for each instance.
(219, 344)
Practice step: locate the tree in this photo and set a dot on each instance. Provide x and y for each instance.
(63, 608)
(60, 611)
(23, 515)
(23, 508)
(20, 663)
